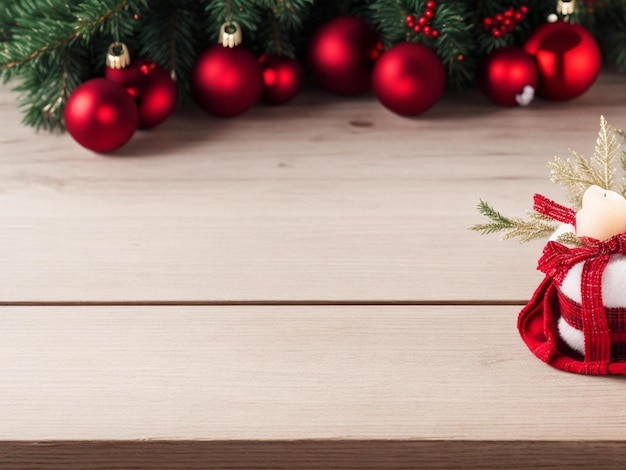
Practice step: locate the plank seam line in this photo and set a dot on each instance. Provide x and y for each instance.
(261, 303)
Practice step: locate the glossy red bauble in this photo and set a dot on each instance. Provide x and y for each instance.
(567, 57)
(505, 73)
(409, 78)
(226, 81)
(282, 79)
(342, 53)
(151, 86)
(100, 115)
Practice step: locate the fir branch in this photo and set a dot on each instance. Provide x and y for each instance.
(49, 50)
(283, 21)
(498, 222)
(171, 37)
(244, 12)
(83, 24)
(536, 226)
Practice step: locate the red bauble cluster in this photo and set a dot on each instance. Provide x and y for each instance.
(422, 24)
(102, 114)
(503, 23)
(567, 57)
(282, 78)
(342, 54)
(151, 86)
(226, 81)
(409, 78)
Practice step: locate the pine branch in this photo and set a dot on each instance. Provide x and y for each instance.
(283, 21)
(244, 12)
(64, 25)
(171, 36)
(49, 50)
(536, 226)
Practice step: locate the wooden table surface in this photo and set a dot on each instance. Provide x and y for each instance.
(293, 288)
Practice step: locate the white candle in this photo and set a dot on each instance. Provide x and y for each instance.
(603, 214)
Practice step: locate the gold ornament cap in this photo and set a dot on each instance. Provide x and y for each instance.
(230, 34)
(118, 56)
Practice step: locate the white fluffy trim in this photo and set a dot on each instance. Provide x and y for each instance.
(574, 338)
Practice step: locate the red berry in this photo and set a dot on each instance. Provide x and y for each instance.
(417, 28)
(508, 13)
(499, 17)
(504, 29)
(422, 21)
(431, 5)
(429, 14)
(409, 19)
(427, 30)
(518, 16)
(524, 9)
(487, 23)
(495, 32)
(434, 34)
(507, 22)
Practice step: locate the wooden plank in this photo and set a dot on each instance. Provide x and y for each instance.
(289, 373)
(322, 200)
(312, 455)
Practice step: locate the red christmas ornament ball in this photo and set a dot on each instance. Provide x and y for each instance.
(505, 72)
(151, 86)
(409, 78)
(100, 115)
(226, 81)
(282, 79)
(567, 57)
(342, 53)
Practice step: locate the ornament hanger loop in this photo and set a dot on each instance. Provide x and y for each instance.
(118, 56)
(230, 34)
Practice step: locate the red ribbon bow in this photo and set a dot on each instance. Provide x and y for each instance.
(558, 259)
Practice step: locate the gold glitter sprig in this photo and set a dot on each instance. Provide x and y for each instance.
(575, 177)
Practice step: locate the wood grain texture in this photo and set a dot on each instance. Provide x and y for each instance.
(321, 200)
(312, 455)
(289, 373)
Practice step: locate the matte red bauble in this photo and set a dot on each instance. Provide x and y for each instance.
(101, 115)
(568, 59)
(151, 86)
(409, 78)
(342, 53)
(226, 81)
(505, 73)
(282, 79)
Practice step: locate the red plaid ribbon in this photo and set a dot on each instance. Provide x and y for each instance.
(558, 259)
